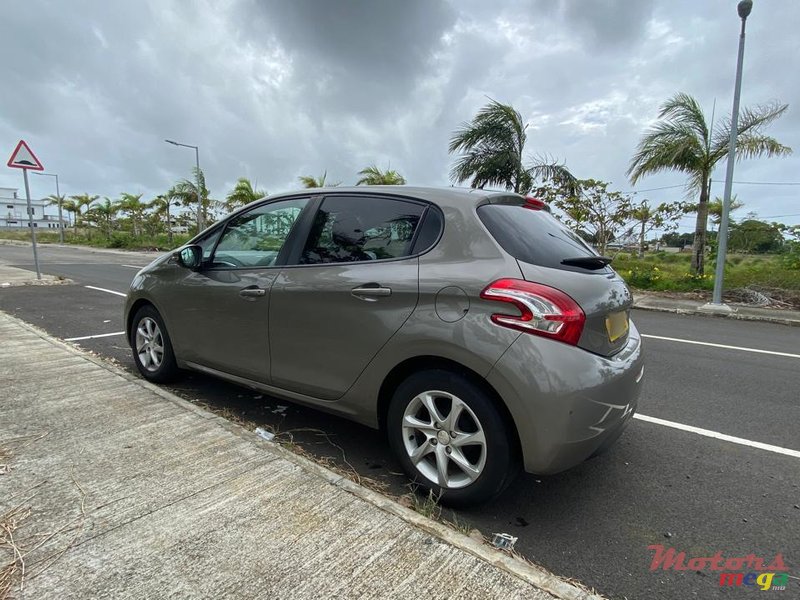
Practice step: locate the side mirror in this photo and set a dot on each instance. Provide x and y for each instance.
(191, 257)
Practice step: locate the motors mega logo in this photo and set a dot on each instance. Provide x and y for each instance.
(750, 570)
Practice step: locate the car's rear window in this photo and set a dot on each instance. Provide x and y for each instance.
(535, 237)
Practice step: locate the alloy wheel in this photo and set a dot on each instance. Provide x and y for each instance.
(149, 344)
(444, 439)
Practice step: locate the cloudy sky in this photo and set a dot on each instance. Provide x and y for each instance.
(273, 89)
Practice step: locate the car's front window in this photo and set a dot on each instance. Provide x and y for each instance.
(255, 238)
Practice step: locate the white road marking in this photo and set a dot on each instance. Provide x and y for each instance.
(727, 347)
(133, 266)
(99, 289)
(91, 337)
(719, 436)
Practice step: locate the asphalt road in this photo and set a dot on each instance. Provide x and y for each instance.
(659, 485)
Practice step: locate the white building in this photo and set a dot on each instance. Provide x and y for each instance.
(14, 212)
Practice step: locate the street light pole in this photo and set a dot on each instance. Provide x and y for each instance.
(200, 220)
(744, 8)
(58, 195)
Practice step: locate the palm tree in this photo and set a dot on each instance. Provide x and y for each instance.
(309, 181)
(372, 175)
(74, 210)
(715, 208)
(56, 200)
(103, 213)
(161, 205)
(82, 201)
(682, 141)
(492, 147)
(132, 205)
(185, 192)
(243, 194)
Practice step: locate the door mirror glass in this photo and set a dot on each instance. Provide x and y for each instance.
(191, 257)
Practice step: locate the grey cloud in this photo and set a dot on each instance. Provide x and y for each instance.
(607, 22)
(272, 90)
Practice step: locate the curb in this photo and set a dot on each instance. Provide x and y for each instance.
(732, 315)
(527, 572)
(98, 249)
(35, 282)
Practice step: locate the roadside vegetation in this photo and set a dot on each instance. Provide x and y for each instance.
(493, 150)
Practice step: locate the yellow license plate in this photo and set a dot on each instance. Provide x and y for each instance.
(616, 325)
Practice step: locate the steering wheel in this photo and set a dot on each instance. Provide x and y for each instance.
(228, 261)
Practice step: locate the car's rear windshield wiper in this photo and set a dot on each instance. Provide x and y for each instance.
(592, 263)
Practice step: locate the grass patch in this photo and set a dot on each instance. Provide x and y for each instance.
(660, 271)
(118, 239)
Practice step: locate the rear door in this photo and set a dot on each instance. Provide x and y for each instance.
(351, 287)
(551, 254)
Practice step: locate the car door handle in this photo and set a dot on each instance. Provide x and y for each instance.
(252, 292)
(369, 292)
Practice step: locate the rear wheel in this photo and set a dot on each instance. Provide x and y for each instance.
(450, 437)
(152, 348)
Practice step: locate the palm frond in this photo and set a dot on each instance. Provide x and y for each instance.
(749, 126)
(667, 146)
(372, 175)
(685, 109)
(751, 145)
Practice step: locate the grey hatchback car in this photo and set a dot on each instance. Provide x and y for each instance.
(472, 327)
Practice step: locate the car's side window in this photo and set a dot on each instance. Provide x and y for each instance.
(361, 228)
(254, 238)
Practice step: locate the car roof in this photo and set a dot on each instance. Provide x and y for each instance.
(442, 196)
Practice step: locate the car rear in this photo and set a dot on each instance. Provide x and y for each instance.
(572, 380)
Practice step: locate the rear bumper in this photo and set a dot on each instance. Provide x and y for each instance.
(567, 404)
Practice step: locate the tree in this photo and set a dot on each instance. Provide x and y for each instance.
(682, 141)
(492, 147)
(132, 205)
(82, 201)
(755, 236)
(595, 212)
(242, 194)
(677, 240)
(73, 209)
(103, 214)
(715, 209)
(309, 181)
(161, 205)
(647, 218)
(56, 200)
(372, 175)
(185, 192)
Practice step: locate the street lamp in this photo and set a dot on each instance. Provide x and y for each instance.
(744, 8)
(200, 223)
(58, 195)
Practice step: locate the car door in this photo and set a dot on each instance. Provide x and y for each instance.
(345, 292)
(221, 312)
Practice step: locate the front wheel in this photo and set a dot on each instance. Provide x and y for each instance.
(152, 348)
(451, 438)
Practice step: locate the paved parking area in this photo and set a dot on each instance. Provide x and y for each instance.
(659, 485)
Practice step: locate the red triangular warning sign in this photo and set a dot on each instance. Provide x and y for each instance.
(24, 158)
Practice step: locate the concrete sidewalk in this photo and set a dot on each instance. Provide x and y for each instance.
(113, 488)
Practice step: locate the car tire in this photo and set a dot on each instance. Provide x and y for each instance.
(479, 440)
(152, 347)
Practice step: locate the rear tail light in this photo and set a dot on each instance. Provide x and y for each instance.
(545, 311)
